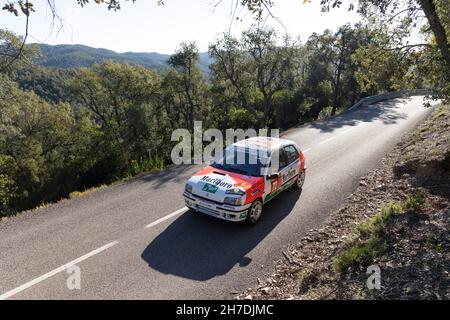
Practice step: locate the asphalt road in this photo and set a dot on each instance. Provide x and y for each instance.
(132, 241)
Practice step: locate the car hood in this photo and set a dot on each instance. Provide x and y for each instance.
(212, 183)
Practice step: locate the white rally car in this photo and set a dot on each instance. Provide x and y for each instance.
(251, 172)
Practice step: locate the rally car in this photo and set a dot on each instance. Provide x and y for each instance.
(249, 173)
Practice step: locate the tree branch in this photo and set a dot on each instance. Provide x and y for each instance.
(19, 53)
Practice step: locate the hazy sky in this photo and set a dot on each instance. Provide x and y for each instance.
(147, 27)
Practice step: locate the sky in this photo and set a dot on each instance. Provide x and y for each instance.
(146, 27)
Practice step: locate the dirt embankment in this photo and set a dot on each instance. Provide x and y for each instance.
(398, 219)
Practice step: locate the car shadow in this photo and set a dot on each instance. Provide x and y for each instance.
(386, 111)
(199, 247)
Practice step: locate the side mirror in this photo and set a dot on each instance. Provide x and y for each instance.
(273, 176)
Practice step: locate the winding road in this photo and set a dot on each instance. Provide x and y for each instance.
(136, 240)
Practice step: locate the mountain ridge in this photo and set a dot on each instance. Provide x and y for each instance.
(79, 55)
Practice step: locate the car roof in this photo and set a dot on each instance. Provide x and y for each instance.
(265, 143)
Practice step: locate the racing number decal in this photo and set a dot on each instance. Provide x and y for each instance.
(275, 184)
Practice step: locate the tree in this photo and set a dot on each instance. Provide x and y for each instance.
(411, 13)
(330, 72)
(13, 52)
(333, 53)
(48, 83)
(119, 98)
(254, 68)
(35, 139)
(185, 84)
(436, 13)
(430, 17)
(380, 67)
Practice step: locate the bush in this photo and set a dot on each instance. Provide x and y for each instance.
(361, 254)
(135, 168)
(146, 164)
(370, 240)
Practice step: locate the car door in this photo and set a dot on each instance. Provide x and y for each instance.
(292, 168)
(278, 164)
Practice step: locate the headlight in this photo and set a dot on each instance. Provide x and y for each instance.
(188, 188)
(233, 201)
(236, 191)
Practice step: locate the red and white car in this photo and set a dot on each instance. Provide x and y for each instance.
(250, 173)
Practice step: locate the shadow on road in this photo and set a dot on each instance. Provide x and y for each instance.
(176, 174)
(386, 111)
(199, 247)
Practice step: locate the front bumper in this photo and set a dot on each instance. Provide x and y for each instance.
(221, 211)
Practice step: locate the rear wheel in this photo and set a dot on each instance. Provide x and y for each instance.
(254, 212)
(300, 180)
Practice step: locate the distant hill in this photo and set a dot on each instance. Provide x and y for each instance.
(76, 55)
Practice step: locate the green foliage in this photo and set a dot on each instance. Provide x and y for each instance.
(48, 83)
(33, 139)
(443, 111)
(380, 67)
(430, 60)
(330, 74)
(7, 188)
(186, 92)
(425, 63)
(307, 278)
(76, 194)
(432, 242)
(361, 254)
(240, 118)
(48, 148)
(414, 203)
(253, 69)
(325, 113)
(13, 53)
(146, 164)
(121, 100)
(370, 239)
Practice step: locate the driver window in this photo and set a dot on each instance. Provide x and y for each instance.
(282, 162)
(291, 153)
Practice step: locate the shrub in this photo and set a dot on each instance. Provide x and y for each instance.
(361, 254)
(370, 240)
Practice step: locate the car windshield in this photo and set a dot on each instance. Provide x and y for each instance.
(251, 162)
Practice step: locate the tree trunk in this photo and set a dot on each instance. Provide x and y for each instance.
(266, 105)
(335, 102)
(336, 94)
(438, 29)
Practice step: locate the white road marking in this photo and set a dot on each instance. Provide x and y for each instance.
(184, 209)
(55, 271)
(306, 150)
(327, 140)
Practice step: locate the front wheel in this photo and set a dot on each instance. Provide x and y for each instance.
(300, 180)
(254, 212)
